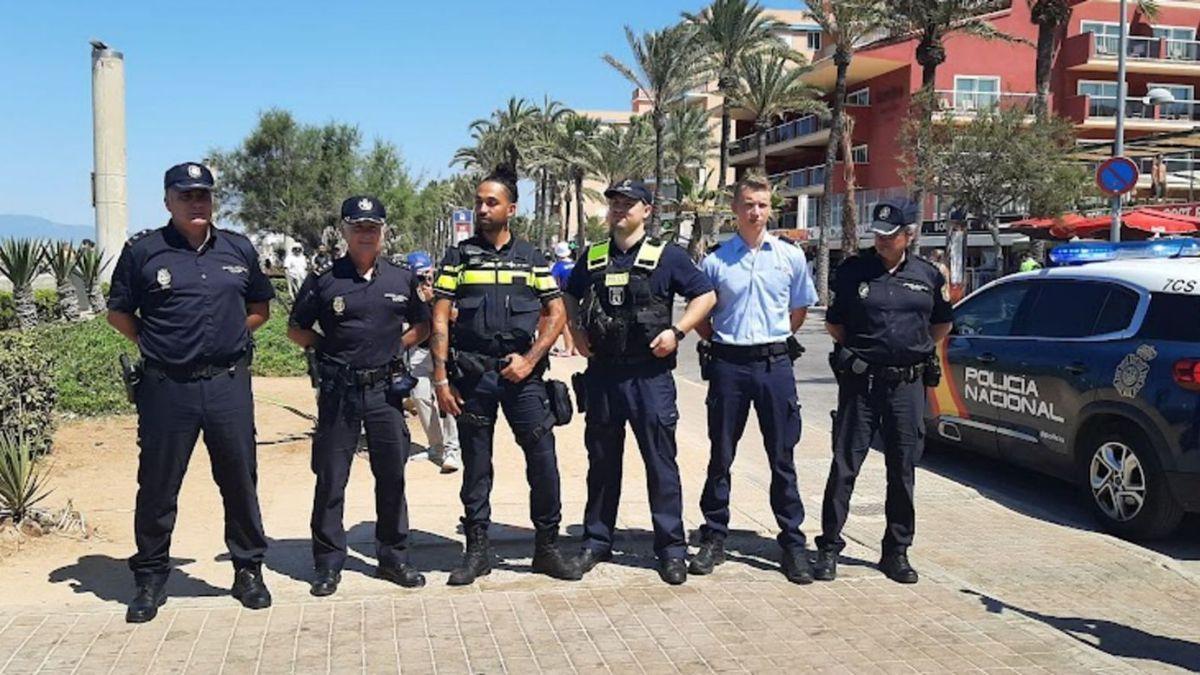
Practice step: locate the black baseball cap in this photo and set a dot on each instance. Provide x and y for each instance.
(363, 207)
(890, 215)
(634, 189)
(188, 176)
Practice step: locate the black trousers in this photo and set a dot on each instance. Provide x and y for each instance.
(770, 386)
(646, 402)
(895, 412)
(527, 409)
(343, 413)
(171, 416)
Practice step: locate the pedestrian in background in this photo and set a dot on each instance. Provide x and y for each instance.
(441, 430)
(561, 271)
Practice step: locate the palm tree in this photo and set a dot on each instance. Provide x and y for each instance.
(61, 257)
(731, 29)
(696, 198)
(89, 266)
(688, 139)
(625, 151)
(845, 23)
(1050, 16)
(574, 148)
(771, 84)
(666, 65)
(549, 115)
(20, 263)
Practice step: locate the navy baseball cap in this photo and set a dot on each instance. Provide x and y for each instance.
(634, 189)
(188, 176)
(363, 207)
(890, 215)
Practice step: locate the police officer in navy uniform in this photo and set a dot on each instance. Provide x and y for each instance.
(370, 312)
(889, 311)
(627, 287)
(763, 295)
(510, 312)
(190, 295)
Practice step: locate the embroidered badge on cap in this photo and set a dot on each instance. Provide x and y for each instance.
(885, 212)
(339, 305)
(364, 204)
(864, 290)
(163, 276)
(194, 171)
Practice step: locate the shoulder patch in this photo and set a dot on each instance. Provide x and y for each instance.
(140, 235)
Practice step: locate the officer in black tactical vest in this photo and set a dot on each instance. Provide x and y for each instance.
(189, 295)
(889, 311)
(370, 314)
(625, 326)
(510, 312)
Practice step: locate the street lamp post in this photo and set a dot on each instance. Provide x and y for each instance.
(1119, 142)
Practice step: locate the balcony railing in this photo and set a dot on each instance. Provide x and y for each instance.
(969, 102)
(809, 176)
(1181, 111)
(1148, 48)
(809, 124)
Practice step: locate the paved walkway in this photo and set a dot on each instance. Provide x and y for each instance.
(1004, 587)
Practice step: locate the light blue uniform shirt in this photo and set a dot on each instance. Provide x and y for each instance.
(757, 289)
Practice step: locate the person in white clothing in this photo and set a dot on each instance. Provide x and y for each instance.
(440, 430)
(296, 267)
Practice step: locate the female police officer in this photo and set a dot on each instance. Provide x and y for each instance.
(362, 303)
(189, 296)
(888, 312)
(510, 312)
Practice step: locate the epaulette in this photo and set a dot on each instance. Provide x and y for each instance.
(712, 248)
(323, 268)
(786, 240)
(139, 235)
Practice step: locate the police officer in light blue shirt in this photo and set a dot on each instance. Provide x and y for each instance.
(763, 294)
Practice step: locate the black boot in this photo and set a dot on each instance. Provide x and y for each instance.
(673, 570)
(150, 595)
(796, 566)
(711, 554)
(250, 589)
(589, 558)
(325, 583)
(826, 567)
(548, 558)
(895, 566)
(477, 559)
(403, 574)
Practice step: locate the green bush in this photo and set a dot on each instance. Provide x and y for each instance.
(27, 390)
(85, 367)
(47, 307)
(274, 354)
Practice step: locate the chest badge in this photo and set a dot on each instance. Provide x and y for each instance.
(913, 286)
(1132, 371)
(616, 296)
(339, 305)
(163, 277)
(395, 297)
(864, 289)
(234, 269)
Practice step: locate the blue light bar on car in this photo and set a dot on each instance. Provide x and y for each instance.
(1082, 252)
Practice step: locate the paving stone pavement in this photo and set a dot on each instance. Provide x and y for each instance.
(1004, 588)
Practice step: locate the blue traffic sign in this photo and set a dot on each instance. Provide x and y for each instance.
(1117, 176)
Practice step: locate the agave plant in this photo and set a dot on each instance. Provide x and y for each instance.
(89, 266)
(20, 263)
(22, 479)
(61, 258)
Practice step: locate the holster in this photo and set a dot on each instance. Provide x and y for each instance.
(131, 375)
(400, 386)
(579, 384)
(932, 374)
(560, 402)
(795, 349)
(314, 372)
(705, 357)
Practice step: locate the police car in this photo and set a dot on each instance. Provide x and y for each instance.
(1090, 371)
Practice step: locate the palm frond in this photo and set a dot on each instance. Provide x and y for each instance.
(21, 260)
(60, 257)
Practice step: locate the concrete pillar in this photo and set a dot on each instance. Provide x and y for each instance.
(108, 173)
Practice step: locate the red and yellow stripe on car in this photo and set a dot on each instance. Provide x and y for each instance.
(945, 399)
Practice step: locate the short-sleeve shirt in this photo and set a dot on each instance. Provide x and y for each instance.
(362, 319)
(446, 282)
(887, 316)
(757, 289)
(190, 303)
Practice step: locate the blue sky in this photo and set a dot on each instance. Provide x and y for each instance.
(197, 76)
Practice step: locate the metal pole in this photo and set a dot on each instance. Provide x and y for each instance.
(1119, 141)
(1191, 176)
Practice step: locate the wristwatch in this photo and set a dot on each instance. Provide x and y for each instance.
(678, 333)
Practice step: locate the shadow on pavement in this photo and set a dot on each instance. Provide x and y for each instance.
(109, 579)
(1109, 637)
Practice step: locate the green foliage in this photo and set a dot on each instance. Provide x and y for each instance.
(84, 366)
(21, 260)
(274, 354)
(60, 258)
(769, 84)
(27, 390)
(23, 480)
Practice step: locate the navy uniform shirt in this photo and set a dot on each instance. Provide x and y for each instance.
(887, 316)
(191, 304)
(362, 319)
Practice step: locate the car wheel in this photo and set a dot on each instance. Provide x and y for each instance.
(1128, 489)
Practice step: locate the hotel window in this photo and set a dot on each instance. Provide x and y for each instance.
(1182, 108)
(860, 155)
(814, 40)
(1108, 35)
(861, 97)
(975, 93)
(1102, 97)
(1180, 42)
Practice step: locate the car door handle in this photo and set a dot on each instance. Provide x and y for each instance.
(1077, 368)
(986, 358)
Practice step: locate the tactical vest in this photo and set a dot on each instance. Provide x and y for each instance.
(621, 314)
(497, 299)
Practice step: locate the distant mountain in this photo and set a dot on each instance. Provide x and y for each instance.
(35, 226)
